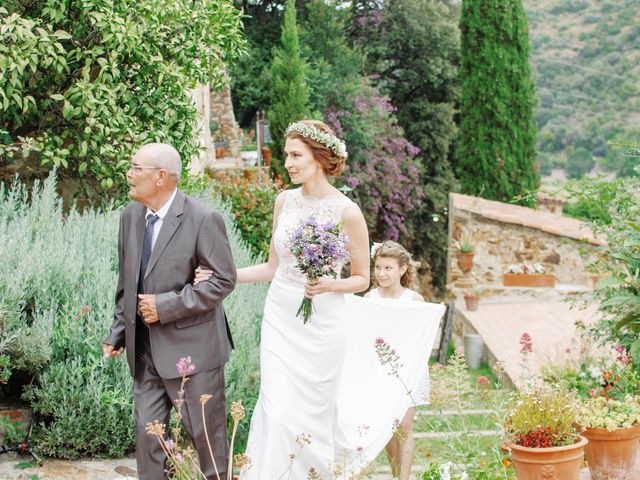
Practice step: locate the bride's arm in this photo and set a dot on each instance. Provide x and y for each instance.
(264, 272)
(356, 229)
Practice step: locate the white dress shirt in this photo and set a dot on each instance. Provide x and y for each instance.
(161, 214)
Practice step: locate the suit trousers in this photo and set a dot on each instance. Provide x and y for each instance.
(154, 397)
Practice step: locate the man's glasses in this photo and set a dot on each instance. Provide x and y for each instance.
(139, 168)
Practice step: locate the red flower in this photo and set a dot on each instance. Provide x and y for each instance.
(526, 344)
(86, 309)
(379, 341)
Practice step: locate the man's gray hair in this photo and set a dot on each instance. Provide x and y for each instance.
(164, 156)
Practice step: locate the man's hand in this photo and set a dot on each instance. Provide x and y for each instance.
(111, 351)
(148, 310)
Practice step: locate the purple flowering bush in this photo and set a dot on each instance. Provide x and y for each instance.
(319, 249)
(382, 171)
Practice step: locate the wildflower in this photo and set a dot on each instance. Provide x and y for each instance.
(623, 358)
(483, 381)
(237, 411)
(399, 432)
(242, 460)
(179, 458)
(506, 463)
(204, 398)
(156, 428)
(388, 356)
(86, 309)
(303, 439)
(169, 444)
(313, 475)
(592, 392)
(526, 345)
(185, 367)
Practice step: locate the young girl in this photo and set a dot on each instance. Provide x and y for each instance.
(393, 274)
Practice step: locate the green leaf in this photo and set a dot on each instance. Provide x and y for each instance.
(67, 110)
(57, 96)
(62, 35)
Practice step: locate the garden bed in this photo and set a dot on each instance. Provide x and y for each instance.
(528, 280)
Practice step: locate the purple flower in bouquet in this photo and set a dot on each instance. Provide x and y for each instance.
(319, 249)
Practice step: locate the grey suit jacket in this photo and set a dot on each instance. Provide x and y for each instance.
(192, 320)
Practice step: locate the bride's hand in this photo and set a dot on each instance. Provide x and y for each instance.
(202, 274)
(318, 286)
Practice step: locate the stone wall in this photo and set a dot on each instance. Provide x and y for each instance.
(207, 157)
(507, 234)
(224, 121)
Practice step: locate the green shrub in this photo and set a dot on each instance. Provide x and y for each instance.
(251, 204)
(57, 282)
(579, 163)
(92, 80)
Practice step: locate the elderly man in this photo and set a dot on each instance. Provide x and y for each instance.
(160, 316)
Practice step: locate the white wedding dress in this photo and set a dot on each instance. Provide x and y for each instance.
(326, 404)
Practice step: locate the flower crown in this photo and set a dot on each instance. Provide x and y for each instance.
(330, 141)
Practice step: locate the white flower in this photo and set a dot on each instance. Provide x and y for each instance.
(464, 476)
(514, 269)
(374, 248)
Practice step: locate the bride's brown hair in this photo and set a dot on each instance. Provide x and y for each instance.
(391, 249)
(331, 164)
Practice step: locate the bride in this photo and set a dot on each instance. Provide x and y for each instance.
(300, 363)
(313, 406)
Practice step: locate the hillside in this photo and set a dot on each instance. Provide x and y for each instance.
(586, 59)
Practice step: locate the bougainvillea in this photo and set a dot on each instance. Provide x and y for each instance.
(382, 172)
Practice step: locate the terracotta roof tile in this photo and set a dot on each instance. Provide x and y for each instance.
(552, 223)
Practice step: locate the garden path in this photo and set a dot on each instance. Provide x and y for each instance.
(123, 469)
(549, 322)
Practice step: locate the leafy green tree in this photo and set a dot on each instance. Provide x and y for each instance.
(579, 162)
(412, 47)
(334, 66)
(496, 151)
(90, 81)
(289, 90)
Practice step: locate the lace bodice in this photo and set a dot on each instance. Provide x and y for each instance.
(296, 209)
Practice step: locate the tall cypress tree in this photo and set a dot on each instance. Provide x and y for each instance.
(289, 91)
(496, 151)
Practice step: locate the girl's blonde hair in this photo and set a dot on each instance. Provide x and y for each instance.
(391, 249)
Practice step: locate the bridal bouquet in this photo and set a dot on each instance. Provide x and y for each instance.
(318, 248)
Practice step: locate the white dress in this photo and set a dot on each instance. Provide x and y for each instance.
(421, 390)
(307, 414)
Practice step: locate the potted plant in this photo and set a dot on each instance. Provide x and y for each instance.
(471, 299)
(266, 154)
(466, 251)
(249, 149)
(526, 275)
(613, 430)
(542, 433)
(611, 418)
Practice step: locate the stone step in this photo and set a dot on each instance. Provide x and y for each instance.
(477, 433)
(452, 413)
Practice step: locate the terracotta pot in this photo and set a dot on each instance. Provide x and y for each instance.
(612, 455)
(556, 463)
(465, 262)
(472, 303)
(528, 280)
(266, 154)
